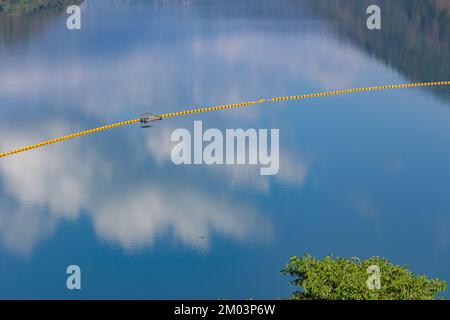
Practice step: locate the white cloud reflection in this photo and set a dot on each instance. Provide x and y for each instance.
(62, 181)
(145, 77)
(293, 166)
(188, 214)
(43, 187)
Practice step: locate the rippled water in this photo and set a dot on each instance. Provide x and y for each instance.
(360, 175)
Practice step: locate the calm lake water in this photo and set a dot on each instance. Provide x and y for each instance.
(360, 175)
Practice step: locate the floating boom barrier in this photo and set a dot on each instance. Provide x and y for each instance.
(146, 119)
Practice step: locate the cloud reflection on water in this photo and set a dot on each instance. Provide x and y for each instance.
(45, 186)
(61, 183)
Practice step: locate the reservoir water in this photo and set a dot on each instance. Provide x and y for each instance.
(360, 175)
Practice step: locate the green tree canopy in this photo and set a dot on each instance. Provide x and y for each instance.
(334, 278)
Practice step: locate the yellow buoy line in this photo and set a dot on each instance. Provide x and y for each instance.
(145, 119)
